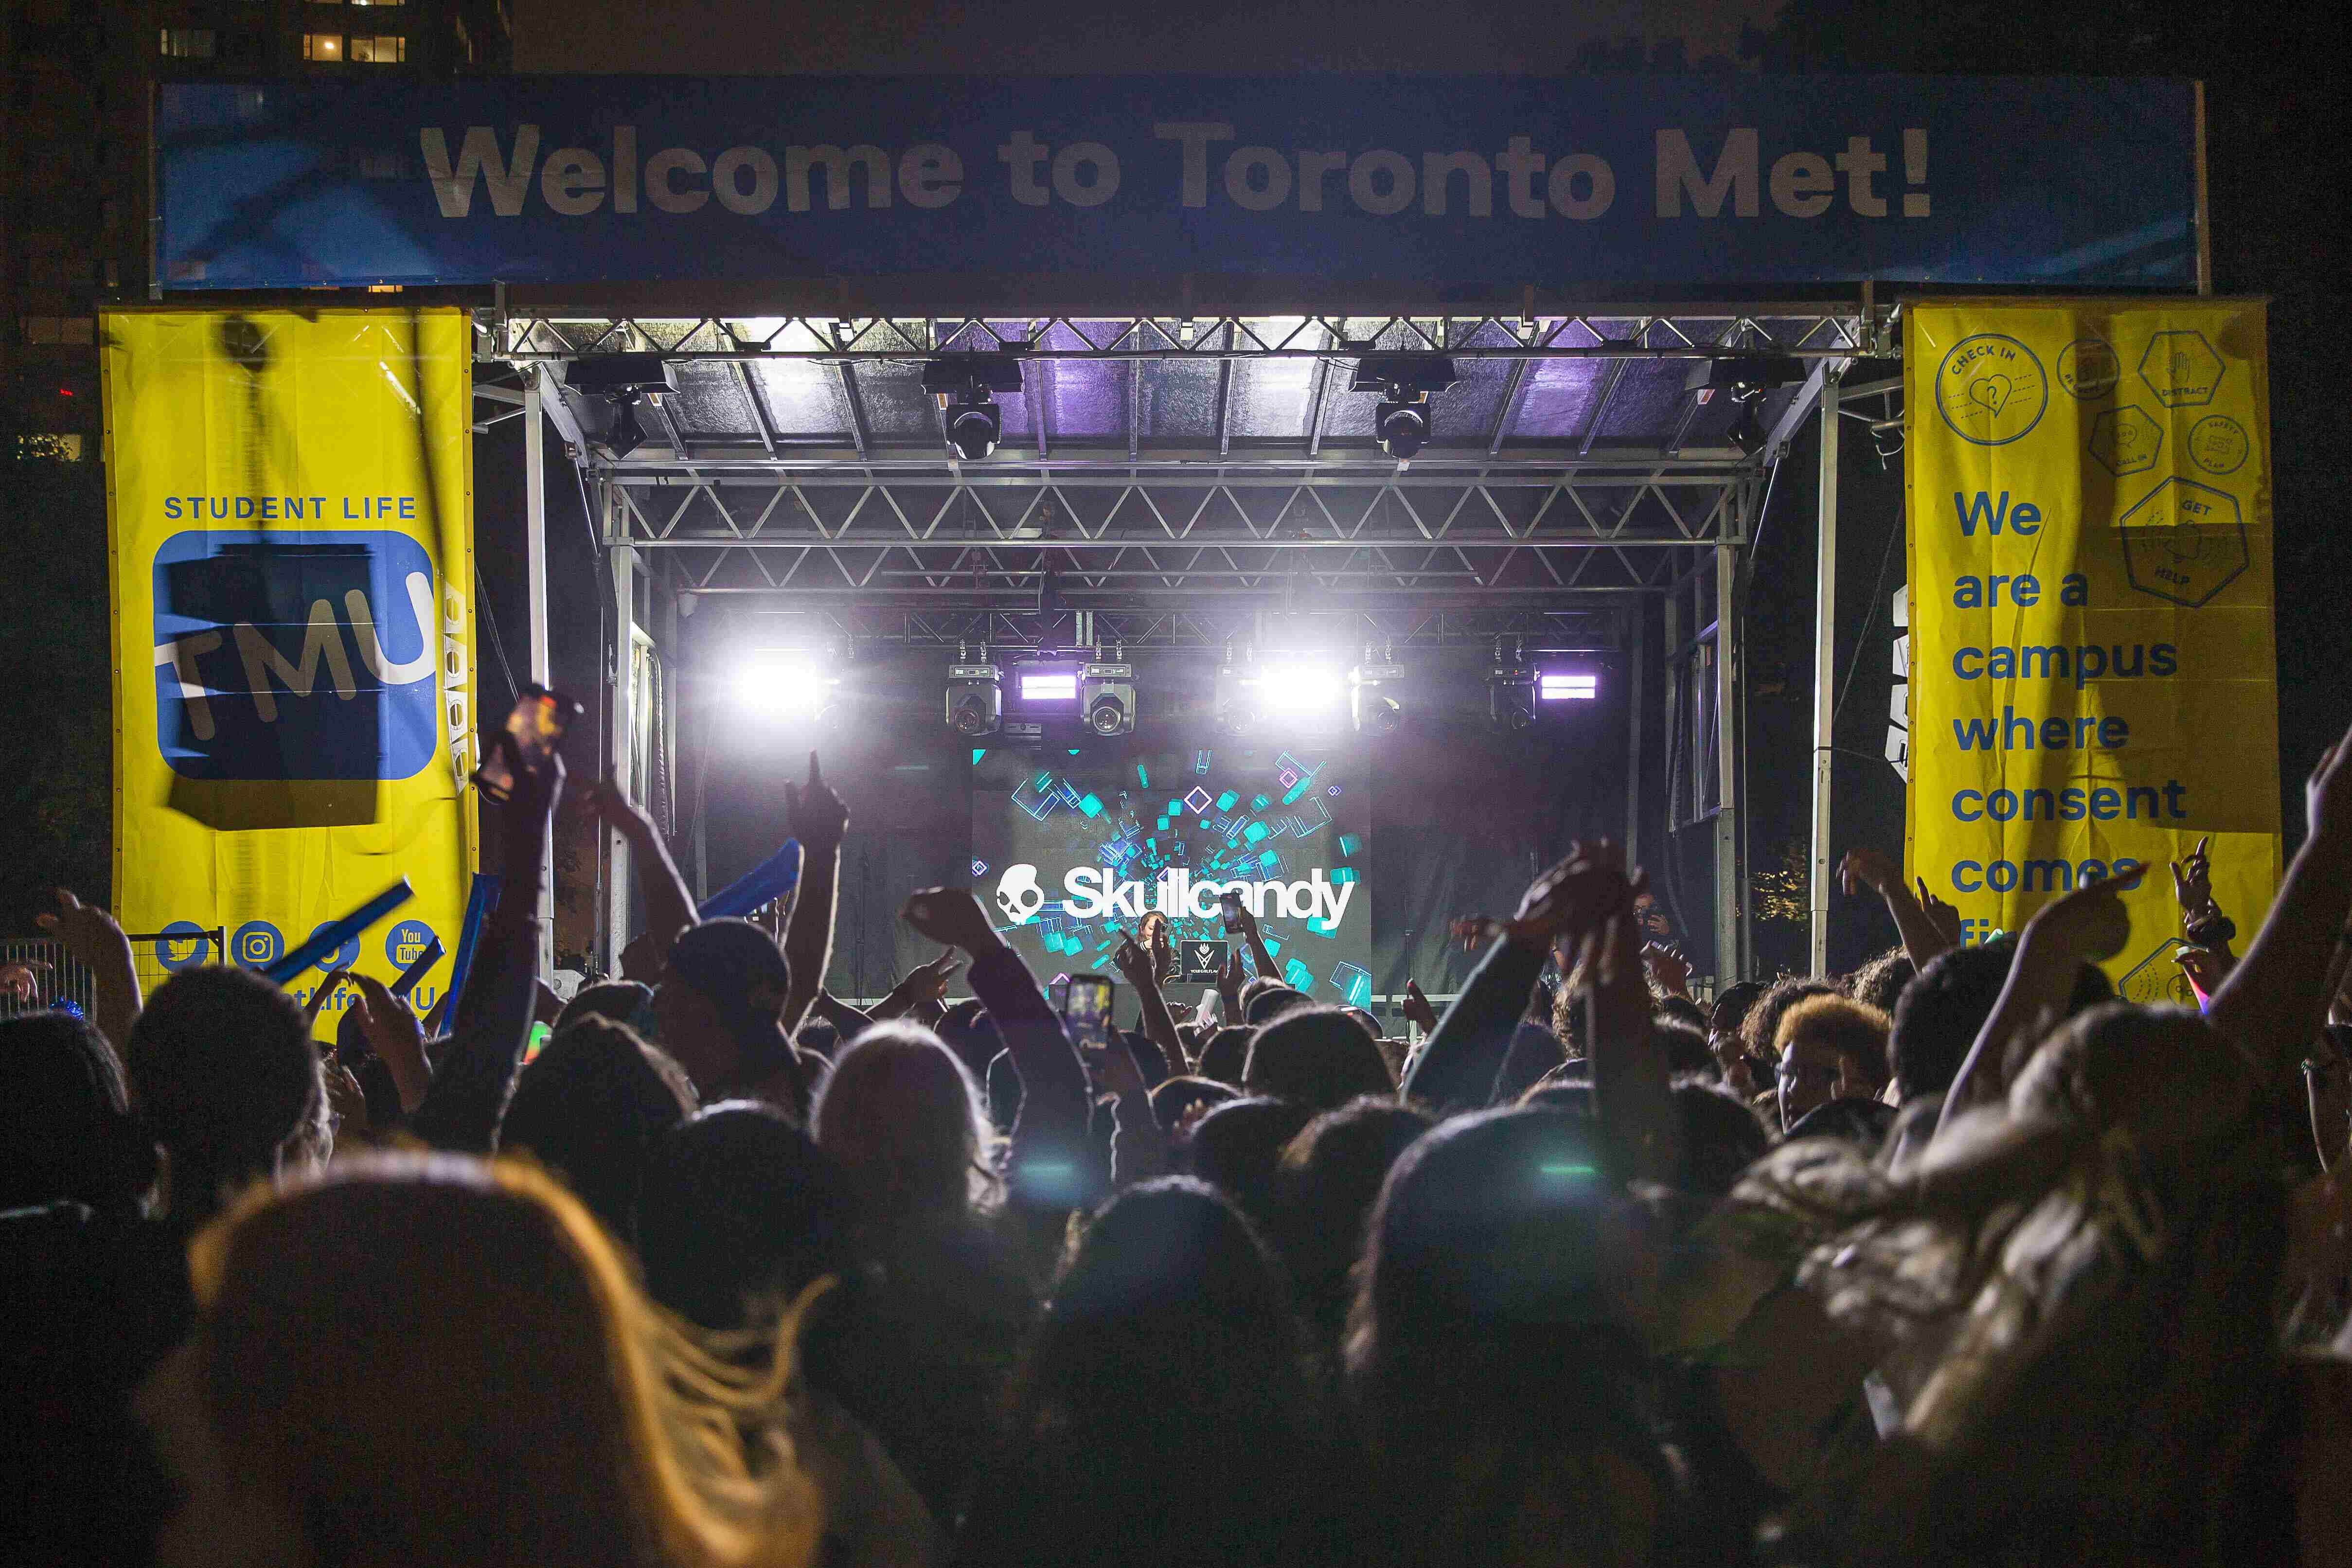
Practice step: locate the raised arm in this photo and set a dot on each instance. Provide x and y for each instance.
(1158, 1025)
(1459, 1063)
(1633, 1096)
(2276, 998)
(819, 819)
(1050, 1158)
(97, 942)
(1867, 871)
(1256, 942)
(669, 908)
(475, 1069)
(2088, 926)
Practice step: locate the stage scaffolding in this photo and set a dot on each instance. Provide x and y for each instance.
(1180, 481)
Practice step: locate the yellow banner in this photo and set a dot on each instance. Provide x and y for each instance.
(290, 510)
(2093, 670)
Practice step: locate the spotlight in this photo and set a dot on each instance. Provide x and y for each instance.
(1747, 432)
(1371, 700)
(1568, 686)
(1402, 428)
(1511, 698)
(975, 427)
(786, 687)
(962, 383)
(1305, 694)
(1107, 694)
(975, 700)
(1400, 422)
(623, 435)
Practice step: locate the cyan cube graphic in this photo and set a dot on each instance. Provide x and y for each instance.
(298, 654)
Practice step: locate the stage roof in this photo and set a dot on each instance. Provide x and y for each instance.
(1214, 461)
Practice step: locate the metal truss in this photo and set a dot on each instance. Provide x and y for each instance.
(1215, 627)
(1139, 533)
(1691, 331)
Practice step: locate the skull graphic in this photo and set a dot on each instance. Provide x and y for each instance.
(1018, 894)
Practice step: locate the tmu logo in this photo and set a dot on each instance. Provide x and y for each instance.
(295, 655)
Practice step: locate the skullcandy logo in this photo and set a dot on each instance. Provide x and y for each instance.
(1018, 895)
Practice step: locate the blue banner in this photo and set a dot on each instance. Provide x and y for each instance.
(1447, 187)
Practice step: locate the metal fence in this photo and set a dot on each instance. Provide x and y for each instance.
(58, 977)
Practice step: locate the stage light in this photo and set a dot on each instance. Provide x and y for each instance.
(1403, 427)
(974, 426)
(1747, 432)
(1511, 698)
(1406, 381)
(1372, 703)
(1107, 694)
(623, 435)
(1303, 694)
(1568, 686)
(962, 383)
(1049, 685)
(786, 687)
(975, 700)
(1296, 688)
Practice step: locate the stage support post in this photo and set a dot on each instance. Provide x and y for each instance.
(620, 680)
(534, 553)
(1634, 620)
(1730, 893)
(1820, 866)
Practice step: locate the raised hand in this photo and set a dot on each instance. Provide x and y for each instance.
(89, 932)
(1941, 915)
(1669, 970)
(1417, 1010)
(951, 917)
(1868, 870)
(2206, 969)
(1130, 959)
(931, 979)
(2091, 920)
(2192, 880)
(319, 997)
(818, 817)
(397, 1036)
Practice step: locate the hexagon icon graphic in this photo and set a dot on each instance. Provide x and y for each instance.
(2183, 542)
(2181, 368)
(2126, 441)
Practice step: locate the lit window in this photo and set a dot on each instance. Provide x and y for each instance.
(322, 46)
(59, 448)
(189, 43)
(379, 1)
(387, 50)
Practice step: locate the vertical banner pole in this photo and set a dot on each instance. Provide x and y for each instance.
(1824, 680)
(1730, 897)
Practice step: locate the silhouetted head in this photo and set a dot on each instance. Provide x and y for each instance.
(906, 1122)
(428, 1359)
(740, 1211)
(590, 1108)
(1331, 1175)
(1237, 1148)
(66, 1128)
(1317, 1055)
(224, 1075)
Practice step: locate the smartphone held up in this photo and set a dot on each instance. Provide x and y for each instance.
(533, 730)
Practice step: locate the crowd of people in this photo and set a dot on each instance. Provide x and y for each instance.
(1955, 1260)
